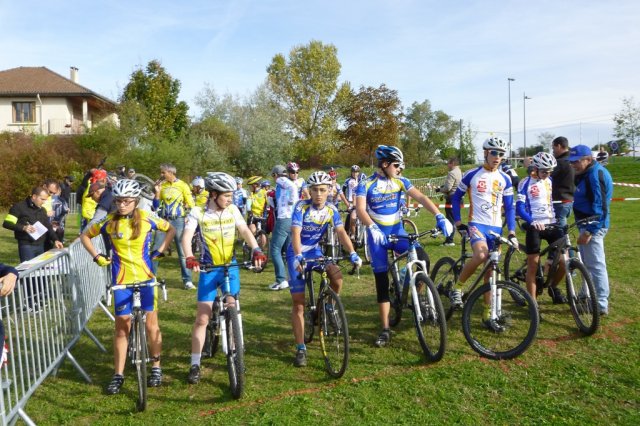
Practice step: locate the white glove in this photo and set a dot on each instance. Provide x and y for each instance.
(444, 225)
(298, 261)
(377, 235)
(355, 259)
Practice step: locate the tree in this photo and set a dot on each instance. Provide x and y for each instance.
(628, 122)
(545, 139)
(306, 87)
(371, 118)
(467, 153)
(427, 133)
(150, 101)
(531, 150)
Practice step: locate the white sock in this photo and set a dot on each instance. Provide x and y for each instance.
(195, 359)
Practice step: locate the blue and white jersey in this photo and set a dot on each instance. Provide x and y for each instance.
(488, 192)
(334, 194)
(314, 222)
(534, 201)
(240, 199)
(286, 197)
(383, 197)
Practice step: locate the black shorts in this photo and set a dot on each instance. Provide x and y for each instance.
(534, 236)
(253, 220)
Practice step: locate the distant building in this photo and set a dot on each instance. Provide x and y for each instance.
(38, 100)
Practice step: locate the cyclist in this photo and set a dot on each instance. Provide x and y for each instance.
(335, 191)
(218, 222)
(200, 195)
(240, 196)
(349, 189)
(489, 190)
(310, 221)
(257, 206)
(378, 207)
(293, 170)
(128, 230)
(535, 207)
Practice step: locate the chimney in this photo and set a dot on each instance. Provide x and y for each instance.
(74, 74)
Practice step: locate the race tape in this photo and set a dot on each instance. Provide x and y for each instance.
(466, 206)
(632, 185)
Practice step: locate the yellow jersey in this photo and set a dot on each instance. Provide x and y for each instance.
(217, 231)
(175, 199)
(258, 202)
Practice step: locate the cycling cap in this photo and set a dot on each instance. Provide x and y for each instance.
(496, 143)
(220, 182)
(292, 167)
(126, 188)
(390, 153)
(279, 170)
(198, 181)
(544, 160)
(319, 178)
(253, 180)
(355, 168)
(265, 183)
(239, 180)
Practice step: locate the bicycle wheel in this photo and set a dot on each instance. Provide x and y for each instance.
(140, 357)
(334, 333)
(211, 338)
(262, 238)
(582, 298)
(515, 266)
(147, 185)
(409, 226)
(506, 336)
(235, 352)
(432, 329)
(395, 298)
(443, 276)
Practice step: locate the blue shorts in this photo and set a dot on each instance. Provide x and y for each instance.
(210, 281)
(296, 285)
(380, 253)
(479, 232)
(123, 300)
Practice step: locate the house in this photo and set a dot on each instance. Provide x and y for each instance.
(38, 100)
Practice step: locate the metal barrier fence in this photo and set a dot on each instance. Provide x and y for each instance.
(74, 206)
(428, 186)
(44, 318)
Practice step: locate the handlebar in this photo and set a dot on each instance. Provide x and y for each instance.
(138, 285)
(208, 267)
(504, 240)
(394, 238)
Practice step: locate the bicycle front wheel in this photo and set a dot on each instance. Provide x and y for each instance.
(334, 333)
(235, 352)
(409, 226)
(443, 276)
(140, 357)
(211, 339)
(515, 266)
(582, 297)
(432, 327)
(512, 328)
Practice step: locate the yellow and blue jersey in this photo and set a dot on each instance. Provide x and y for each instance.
(217, 231)
(314, 222)
(383, 198)
(258, 202)
(201, 198)
(175, 198)
(130, 258)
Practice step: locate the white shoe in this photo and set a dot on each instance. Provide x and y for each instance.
(189, 285)
(279, 286)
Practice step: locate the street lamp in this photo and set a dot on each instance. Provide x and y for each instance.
(524, 109)
(509, 80)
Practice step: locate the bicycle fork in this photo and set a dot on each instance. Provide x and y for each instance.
(495, 293)
(412, 286)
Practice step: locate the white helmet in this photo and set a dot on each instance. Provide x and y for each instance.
(496, 143)
(126, 188)
(544, 160)
(198, 181)
(319, 178)
(220, 182)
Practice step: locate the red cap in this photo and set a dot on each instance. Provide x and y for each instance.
(98, 174)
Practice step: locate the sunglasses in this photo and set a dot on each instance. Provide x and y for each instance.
(496, 153)
(124, 201)
(398, 165)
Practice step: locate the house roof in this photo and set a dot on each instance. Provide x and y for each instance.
(32, 81)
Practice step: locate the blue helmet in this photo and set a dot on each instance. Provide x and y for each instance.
(389, 153)
(265, 183)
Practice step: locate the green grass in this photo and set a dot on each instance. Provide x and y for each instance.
(562, 379)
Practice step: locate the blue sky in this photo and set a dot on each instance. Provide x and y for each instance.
(575, 59)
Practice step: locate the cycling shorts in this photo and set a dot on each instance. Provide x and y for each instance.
(534, 238)
(123, 300)
(210, 281)
(296, 279)
(253, 220)
(380, 253)
(479, 232)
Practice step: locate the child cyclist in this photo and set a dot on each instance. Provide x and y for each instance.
(489, 190)
(129, 231)
(535, 207)
(218, 223)
(309, 222)
(378, 207)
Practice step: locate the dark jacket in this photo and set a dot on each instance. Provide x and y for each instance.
(6, 270)
(563, 179)
(26, 213)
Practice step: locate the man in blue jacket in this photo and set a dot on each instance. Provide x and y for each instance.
(594, 189)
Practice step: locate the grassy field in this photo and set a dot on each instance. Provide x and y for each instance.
(562, 379)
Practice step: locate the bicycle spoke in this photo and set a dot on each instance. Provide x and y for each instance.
(582, 298)
(235, 352)
(432, 326)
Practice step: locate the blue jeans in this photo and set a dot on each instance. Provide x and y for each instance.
(563, 211)
(29, 251)
(594, 259)
(179, 225)
(280, 239)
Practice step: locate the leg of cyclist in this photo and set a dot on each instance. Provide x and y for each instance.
(479, 257)
(297, 290)
(335, 278)
(122, 304)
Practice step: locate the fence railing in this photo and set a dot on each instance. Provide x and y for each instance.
(43, 319)
(428, 186)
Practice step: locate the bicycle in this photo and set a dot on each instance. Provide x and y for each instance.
(225, 326)
(507, 325)
(359, 236)
(262, 238)
(428, 313)
(409, 226)
(581, 294)
(330, 319)
(329, 244)
(138, 349)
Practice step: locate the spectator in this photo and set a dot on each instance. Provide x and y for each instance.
(120, 171)
(563, 181)
(447, 189)
(603, 156)
(101, 194)
(52, 187)
(65, 189)
(8, 278)
(131, 173)
(60, 210)
(88, 204)
(594, 189)
(23, 218)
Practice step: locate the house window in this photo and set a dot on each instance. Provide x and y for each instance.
(24, 112)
